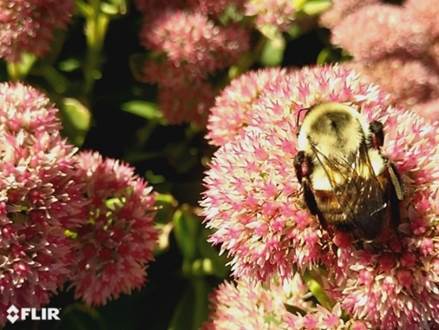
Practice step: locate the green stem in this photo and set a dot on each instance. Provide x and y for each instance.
(201, 302)
(96, 27)
(13, 71)
(311, 279)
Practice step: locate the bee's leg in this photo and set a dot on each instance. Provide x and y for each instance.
(311, 203)
(303, 167)
(377, 134)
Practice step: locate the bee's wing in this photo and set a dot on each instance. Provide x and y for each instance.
(346, 195)
(362, 193)
(396, 181)
(395, 193)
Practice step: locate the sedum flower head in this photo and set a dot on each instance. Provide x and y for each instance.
(253, 203)
(276, 13)
(426, 12)
(274, 305)
(340, 9)
(396, 286)
(28, 25)
(186, 103)
(253, 199)
(429, 110)
(40, 197)
(390, 30)
(213, 7)
(231, 112)
(408, 81)
(117, 242)
(191, 45)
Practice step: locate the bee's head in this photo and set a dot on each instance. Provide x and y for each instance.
(333, 128)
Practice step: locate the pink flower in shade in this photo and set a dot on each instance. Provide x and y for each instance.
(230, 115)
(150, 8)
(28, 25)
(434, 54)
(426, 12)
(277, 13)
(117, 242)
(390, 30)
(429, 110)
(40, 197)
(186, 103)
(253, 203)
(271, 306)
(342, 8)
(36, 162)
(192, 44)
(408, 81)
(213, 7)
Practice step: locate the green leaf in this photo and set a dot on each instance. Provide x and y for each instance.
(192, 310)
(324, 56)
(294, 31)
(316, 7)
(70, 64)
(144, 109)
(80, 316)
(213, 263)
(76, 120)
(166, 205)
(182, 156)
(186, 230)
(298, 4)
(183, 314)
(20, 69)
(273, 51)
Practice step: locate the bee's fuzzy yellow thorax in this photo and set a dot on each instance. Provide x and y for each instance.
(335, 129)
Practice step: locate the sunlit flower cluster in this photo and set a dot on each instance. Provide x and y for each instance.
(28, 25)
(231, 112)
(273, 305)
(397, 50)
(253, 203)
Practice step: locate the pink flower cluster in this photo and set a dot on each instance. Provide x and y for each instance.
(398, 49)
(188, 46)
(273, 305)
(254, 204)
(273, 13)
(117, 241)
(46, 202)
(28, 25)
(231, 112)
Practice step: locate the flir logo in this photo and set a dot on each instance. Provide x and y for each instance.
(20, 314)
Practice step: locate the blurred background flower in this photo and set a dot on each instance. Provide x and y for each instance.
(28, 26)
(397, 49)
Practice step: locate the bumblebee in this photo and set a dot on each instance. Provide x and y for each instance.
(346, 180)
